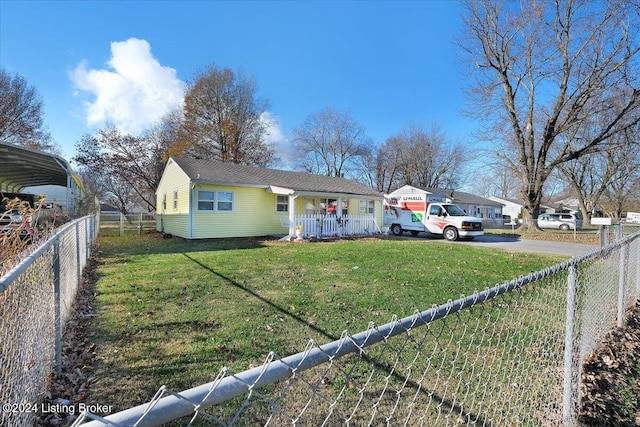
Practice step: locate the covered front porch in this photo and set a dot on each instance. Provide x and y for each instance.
(319, 215)
(309, 226)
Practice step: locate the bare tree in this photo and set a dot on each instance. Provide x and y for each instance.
(330, 142)
(222, 119)
(389, 163)
(588, 178)
(495, 177)
(21, 121)
(130, 167)
(421, 156)
(622, 169)
(543, 70)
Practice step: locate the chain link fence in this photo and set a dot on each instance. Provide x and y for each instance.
(132, 223)
(36, 297)
(510, 355)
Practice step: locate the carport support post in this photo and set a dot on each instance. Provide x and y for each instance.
(568, 408)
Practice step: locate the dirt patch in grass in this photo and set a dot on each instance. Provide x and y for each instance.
(611, 378)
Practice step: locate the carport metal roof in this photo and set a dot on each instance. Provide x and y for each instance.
(22, 167)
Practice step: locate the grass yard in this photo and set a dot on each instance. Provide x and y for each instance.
(174, 312)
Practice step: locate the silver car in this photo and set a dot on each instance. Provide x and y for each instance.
(563, 221)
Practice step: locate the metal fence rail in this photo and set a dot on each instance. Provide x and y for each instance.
(35, 301)
(510, 355)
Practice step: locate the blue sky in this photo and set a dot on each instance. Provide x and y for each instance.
(389, 63)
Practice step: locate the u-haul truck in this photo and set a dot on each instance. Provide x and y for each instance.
(429, 213)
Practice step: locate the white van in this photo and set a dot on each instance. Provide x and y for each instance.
(429, 213)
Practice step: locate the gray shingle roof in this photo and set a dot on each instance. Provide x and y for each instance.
(215, 172)
(462, 197)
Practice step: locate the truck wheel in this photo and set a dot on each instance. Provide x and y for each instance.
(451, 234)
(396, 229)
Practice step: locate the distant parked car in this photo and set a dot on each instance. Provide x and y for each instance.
(560, 221)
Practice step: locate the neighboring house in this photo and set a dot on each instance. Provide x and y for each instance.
(198, 199)
(473, 205)
(514, 208)
(510, 207)
(107, 208)
(569, 204)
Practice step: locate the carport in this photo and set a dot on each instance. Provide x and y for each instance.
(22, 167)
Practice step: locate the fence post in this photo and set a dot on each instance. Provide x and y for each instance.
(637, 261)
(57, 303)
(568, 401)
(621, 283)
(88, 235)
(78, 254)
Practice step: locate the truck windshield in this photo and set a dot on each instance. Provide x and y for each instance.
(453, 210)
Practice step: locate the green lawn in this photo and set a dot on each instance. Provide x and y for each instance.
(174, 312)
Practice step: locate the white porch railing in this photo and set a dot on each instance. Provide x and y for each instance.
(336, 226)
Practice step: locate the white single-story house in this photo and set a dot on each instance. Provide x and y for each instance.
(199, 199)
(514, 208)
(487, 210)
(511, 207)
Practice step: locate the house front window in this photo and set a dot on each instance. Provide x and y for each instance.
(309, 206)
(225, 201)
(282, 203)
(366, 207)
(206, 200)
(175, 200)
(328, 206)
(216, 201)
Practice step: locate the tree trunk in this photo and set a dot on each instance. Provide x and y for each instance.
(531, 194)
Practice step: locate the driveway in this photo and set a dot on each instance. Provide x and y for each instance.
(540, 246)
(518, 245)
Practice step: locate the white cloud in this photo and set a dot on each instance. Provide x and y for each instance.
(281, 144)
(134, 93)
